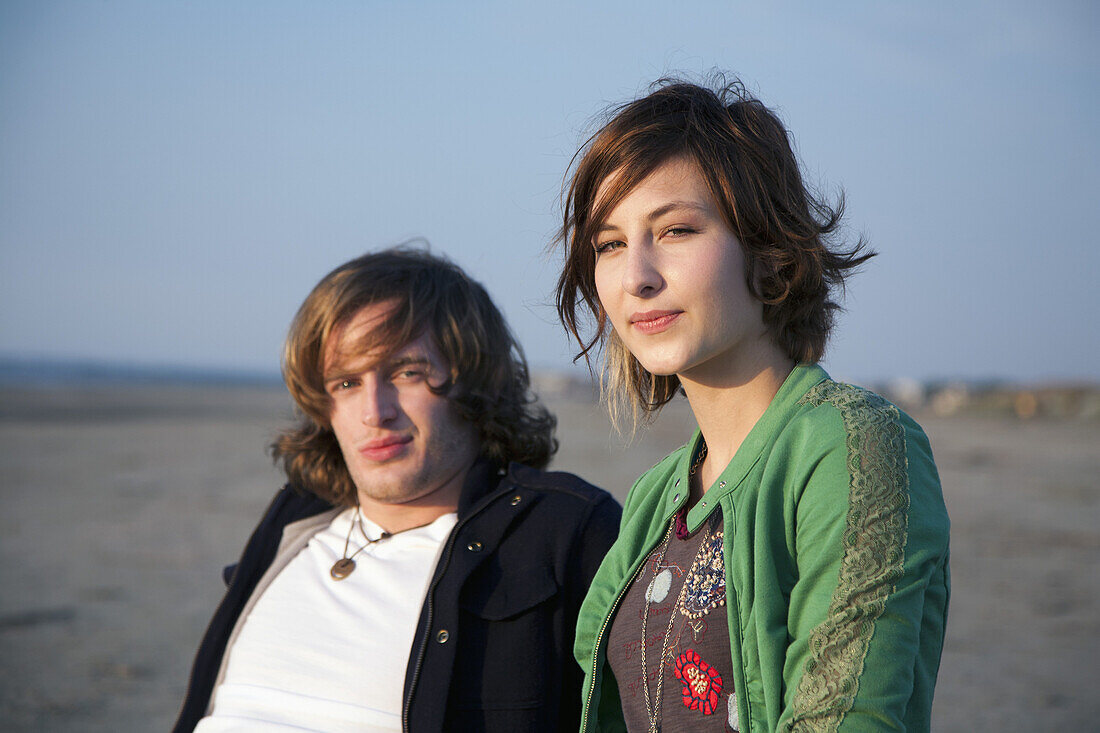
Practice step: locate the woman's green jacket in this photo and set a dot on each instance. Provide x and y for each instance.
(836, 558)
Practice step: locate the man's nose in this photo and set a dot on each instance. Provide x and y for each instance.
(378, 405)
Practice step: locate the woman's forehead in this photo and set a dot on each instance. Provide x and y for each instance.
(678, 179)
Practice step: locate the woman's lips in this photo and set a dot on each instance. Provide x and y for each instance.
(652, 322)
(383, 449)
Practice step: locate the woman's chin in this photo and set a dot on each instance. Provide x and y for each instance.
(662, 367)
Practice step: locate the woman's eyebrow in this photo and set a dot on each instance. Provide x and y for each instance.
(674, 206)
(657, 213)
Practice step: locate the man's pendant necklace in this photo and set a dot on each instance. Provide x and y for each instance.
(345, 566)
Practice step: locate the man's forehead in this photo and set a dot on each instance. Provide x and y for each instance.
(350, 352)
(360, 337)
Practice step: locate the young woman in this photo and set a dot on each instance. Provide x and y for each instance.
(787, 568)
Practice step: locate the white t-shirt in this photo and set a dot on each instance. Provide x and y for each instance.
(318, 654)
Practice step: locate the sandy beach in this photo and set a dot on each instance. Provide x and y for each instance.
(121, 505)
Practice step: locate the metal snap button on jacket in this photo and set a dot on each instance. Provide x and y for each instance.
(474, 547)
(442, 636)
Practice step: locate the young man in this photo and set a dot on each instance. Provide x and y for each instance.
(418, 572)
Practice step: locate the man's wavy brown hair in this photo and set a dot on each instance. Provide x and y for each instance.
(488, 382)
(744, 154)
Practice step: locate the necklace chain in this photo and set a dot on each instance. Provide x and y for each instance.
(653, 709)
(698, 459)
(345, 566)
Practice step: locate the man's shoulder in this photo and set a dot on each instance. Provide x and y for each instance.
(564, 512)
(561, 483)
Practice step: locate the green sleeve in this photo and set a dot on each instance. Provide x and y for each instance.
(868, 608)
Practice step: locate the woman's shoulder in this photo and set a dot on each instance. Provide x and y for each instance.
(838, 424)
(855, 404)
(861, 435)
(836, 413)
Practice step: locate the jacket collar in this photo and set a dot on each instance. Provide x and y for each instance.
(482, 478)
(783, 406)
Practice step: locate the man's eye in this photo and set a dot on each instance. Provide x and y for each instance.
(407, 374)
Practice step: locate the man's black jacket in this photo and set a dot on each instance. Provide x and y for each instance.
(510, 579)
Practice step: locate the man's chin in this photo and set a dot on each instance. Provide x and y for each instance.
(393, 484)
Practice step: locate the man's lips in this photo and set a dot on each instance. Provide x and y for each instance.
(651, 322)
(385, 448)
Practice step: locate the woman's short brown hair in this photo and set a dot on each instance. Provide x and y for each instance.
(488, 381)
(744, 154)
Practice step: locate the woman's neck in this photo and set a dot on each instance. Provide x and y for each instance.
(727, 407)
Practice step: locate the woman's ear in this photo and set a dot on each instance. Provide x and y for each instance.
(762, 276)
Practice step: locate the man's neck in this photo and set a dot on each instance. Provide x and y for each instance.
(394, 518)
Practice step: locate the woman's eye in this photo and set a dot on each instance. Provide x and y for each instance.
(602, 247)
(679, 231)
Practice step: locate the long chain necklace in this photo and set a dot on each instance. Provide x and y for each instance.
(653, 709)
(345, 566)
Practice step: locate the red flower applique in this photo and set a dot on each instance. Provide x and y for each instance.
(702, 683)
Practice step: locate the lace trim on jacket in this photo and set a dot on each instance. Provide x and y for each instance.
(874, 539)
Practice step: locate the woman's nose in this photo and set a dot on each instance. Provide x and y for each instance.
(642, 275)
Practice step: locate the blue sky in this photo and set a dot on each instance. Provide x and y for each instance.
(175, 176)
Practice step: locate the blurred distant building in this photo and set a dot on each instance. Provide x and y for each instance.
(1024, 402)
